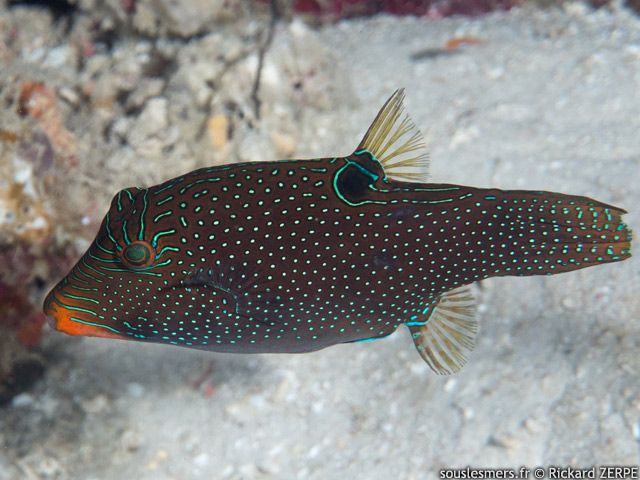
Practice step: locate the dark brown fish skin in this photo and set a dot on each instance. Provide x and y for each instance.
(295, 256)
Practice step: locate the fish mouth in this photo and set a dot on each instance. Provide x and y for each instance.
(74, 321)
(52, 322)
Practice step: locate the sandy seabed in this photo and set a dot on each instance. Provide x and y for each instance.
(548, 100)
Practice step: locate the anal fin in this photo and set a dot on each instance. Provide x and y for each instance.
(445, 337)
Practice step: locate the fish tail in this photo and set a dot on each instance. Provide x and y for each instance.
(516, 233)
(548, 233)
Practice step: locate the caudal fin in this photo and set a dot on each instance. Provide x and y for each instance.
(557, 233)
(514, 233)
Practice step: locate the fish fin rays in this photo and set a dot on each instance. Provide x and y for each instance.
(395, 141)
(447, 336)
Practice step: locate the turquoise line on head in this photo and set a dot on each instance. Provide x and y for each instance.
(171, 184)
(104, 260)
(171, 249)
(142, 214)
(165, 200)
(160, 215)
(91, 268)
(202, 180)
(97, 242)
(107, 221)
(78, 279)
(95, 325)
(84, 289)
(125, 233)
(120, 208)
(84, 310)
(77, 297)
(154, 241)
(142, 271)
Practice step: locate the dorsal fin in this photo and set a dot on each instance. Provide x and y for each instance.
(396, 142)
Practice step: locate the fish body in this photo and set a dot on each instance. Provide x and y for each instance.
(295, 256)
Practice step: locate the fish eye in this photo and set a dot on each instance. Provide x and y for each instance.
(138, 255)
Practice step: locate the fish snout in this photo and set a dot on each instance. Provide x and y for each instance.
(74, 320)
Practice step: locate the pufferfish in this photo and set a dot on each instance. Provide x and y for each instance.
(296, 255)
